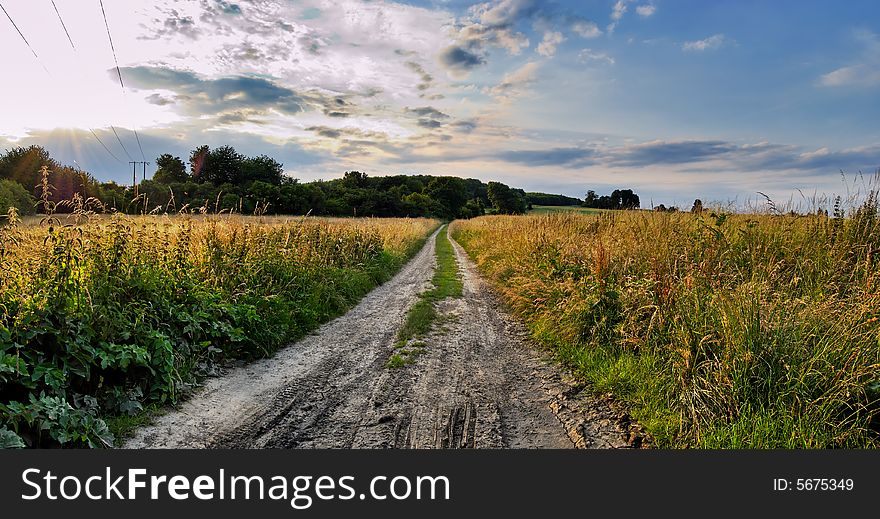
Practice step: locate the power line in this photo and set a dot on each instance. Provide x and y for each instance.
(63, 26)
(138, 139)
(104, 145)
(121, 83)
(25, 39)
(112, 48)
(94, 134)
(120, 142)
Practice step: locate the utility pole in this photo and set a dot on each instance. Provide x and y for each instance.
(134, 174)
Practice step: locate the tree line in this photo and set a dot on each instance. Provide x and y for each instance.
(222, 179)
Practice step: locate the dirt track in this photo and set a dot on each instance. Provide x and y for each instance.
(479, 384)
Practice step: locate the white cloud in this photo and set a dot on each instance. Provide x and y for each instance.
(711, 43)
(548, 45)
(588, 55)
(865, 72)
(646, 10)
(618, 10)
(516, 83)
(586, 29)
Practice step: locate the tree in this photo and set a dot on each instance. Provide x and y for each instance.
(170, 169)
(506, 200)
(261, 169)
(698, 206)
(625, 199)
(449, 192)
(13, 194)
(354, 179)
(591, 199)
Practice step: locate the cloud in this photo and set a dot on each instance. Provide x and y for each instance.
(646, 10)
(586, 29)
(427, 79)
(427, 111)
(567, 157)
(430, 124)
(548, 45)
(465, 126)
(588, 55)
(711, 43)
(228, 8)
(505, 12)
(172, 24)
(665, 152)
(460, 60)
(489, 24)
(515, 83)
(713, 155)
(618, 10)
(865, 72)
(215, 95)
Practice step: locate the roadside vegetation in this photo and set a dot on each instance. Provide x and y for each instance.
(423, 315)
(104, 316)
(717, 330)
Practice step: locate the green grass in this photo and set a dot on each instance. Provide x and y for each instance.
(550, 209)
(104, 319)
(423, 315)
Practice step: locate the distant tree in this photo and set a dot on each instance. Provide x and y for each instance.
(553, 200)
(591, 199)
(170, 169)
(13, 194)
(354, 179)
(473, 208)
(506, 200)
(261, 169)
(627, 199)
(224, 165)
(449, 192)
(697, 207)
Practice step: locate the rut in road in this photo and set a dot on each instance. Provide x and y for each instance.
(478, 384)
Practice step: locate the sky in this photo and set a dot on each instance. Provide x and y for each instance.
(675, 99)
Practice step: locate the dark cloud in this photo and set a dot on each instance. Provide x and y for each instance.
(228, 8)
(324, 131)
(465, 126)
(723, 155)
(568, 157)
(430, 123)
(428, 112)
(348, 133)
(661, 152)
(241, 116)
(459, 59)
(427, 79)
(216, 95)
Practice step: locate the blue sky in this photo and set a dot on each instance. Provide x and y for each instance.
(675, 99)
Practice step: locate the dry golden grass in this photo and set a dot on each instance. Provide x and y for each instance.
(718, 330)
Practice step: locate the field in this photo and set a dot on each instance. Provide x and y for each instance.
(549, 209)
(106, 316)
(716, 330)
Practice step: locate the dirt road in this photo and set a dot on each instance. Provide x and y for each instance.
(479, 384)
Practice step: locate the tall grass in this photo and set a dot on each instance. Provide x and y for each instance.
(718, 330)
(100, 316)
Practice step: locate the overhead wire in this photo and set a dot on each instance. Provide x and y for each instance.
(119, 75)
(93, 132)
(26, 42)
(63, 26)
